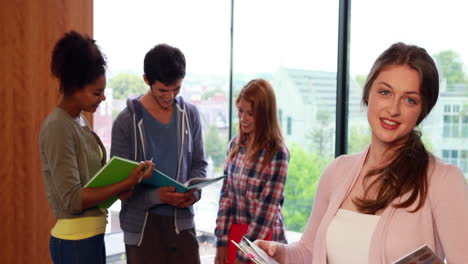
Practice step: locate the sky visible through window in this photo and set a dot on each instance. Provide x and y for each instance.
(126, 30)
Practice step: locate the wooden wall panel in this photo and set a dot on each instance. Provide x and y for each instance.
(28, 31)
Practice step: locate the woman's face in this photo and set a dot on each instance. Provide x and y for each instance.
(89, 98)
(394, 104)
(246, 116)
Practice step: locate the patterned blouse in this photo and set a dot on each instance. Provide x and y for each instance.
(252, 198)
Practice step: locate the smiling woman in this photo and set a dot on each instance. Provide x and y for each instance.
(256, 167)
(394, 104)
(246, 117)
(400, 91)
(72, 153)
(367, 202)
(86, 99)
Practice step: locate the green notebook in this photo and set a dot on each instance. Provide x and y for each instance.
(115, 170)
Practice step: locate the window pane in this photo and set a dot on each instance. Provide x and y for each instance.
(293, 44)
(445, 154)
(447, 108)
(126, 30)
(456, 125)
(464, 161)
(373, 31)
(465, 131)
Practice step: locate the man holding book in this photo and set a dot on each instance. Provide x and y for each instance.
(158, 223)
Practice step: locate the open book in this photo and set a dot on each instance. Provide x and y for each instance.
(419, 256)
(117, 169)
(159, 179)
(255, 254)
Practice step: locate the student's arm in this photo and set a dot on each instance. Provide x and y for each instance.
(271, 197)
(121, 140)
(198, 168)
(449, 200)
(58, 147)
(224, 218)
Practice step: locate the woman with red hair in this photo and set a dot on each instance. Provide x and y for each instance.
(256, 167)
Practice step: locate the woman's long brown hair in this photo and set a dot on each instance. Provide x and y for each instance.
(408, 169)
(268, 135)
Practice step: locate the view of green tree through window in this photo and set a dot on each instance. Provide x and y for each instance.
(294, 47)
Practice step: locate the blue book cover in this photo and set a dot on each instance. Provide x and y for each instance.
(159, 179)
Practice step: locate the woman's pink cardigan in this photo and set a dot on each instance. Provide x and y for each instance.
(442, 223)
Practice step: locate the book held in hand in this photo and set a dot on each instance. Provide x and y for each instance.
(159, 179)
(422, 255)
(115, 170)
(255, 254)
(118, 169)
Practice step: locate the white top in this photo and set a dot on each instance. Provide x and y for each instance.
(348, 237)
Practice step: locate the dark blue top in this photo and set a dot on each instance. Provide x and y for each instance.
(163, 141)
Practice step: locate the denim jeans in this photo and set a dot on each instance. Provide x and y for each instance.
(84, 251)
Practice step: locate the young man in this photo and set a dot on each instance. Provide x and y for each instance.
(158, 223)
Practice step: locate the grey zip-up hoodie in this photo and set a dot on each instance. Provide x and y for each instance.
(129, 141)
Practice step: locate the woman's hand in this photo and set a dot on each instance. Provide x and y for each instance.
(92, 196)
(221, 255)
(269, 247)
(142, 172)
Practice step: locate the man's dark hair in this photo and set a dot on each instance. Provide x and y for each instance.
(76, 62)
(165, 64)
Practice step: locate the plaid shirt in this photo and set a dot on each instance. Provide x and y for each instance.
(252, 198)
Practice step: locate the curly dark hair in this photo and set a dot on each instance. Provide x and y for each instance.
(76, 62)
(165, 64)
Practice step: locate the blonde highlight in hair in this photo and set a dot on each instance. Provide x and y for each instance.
(268, 135)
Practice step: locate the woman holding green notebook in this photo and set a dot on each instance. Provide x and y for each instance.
(72, 153)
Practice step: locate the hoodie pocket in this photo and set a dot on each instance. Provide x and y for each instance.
(131, 220)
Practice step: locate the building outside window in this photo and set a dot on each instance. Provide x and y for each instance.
(456, 157)
(456, 121)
